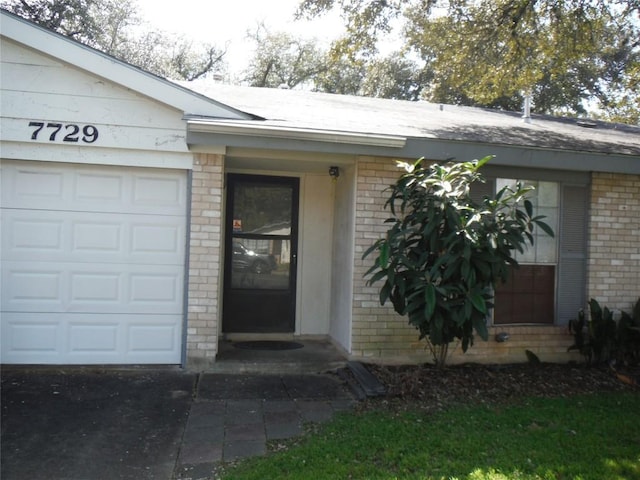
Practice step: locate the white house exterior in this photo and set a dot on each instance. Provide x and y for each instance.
(123, 194)
(95, 189)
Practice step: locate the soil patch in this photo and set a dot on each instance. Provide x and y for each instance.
(428, 387)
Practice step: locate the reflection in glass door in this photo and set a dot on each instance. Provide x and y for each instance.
(260, 260)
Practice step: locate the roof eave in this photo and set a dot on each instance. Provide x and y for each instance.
(255, 136)
(283, 133)
(99, 63)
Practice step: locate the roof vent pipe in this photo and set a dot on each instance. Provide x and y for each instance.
(526, 116)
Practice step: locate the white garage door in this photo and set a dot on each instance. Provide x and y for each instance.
(92, 264)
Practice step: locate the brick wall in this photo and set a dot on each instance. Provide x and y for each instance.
(614, 240)
(205, 260)
(379, 334)
(548, 343)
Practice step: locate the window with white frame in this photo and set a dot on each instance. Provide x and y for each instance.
(528, 296)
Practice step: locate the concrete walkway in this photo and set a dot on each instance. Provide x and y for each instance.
(234, 416)
(87, 424)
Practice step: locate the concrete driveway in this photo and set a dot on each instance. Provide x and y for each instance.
(88, 424)
(74, 423)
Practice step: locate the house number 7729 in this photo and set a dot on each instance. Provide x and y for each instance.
(69, 132)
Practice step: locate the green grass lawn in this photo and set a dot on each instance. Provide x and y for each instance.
(592, 437)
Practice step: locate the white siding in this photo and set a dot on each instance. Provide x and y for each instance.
(38, 88)
(315, 254)
(342, 259)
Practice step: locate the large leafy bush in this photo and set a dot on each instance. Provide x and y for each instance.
(601, 339)
(444, 253)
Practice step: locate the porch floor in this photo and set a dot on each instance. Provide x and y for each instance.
(316, 356)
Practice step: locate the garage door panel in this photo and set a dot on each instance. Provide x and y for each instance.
(157, 238)
(93, 338)
(90, 289)
(54, 186)
(105, 288)
(32, 234)
(90, 338)
(31, 185)
(61, 236)
(92, 238)
(145, 339)
(99, 187)
(31, 288)
(157, 190)
(34, 185)
(141, 289)
(24, 336)
(92, 263)
(150, 289)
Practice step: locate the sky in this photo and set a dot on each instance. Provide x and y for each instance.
(226, 22)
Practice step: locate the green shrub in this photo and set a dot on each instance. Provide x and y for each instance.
(444, 253)
(602, 339)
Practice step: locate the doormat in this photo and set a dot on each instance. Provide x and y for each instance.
(268, 345)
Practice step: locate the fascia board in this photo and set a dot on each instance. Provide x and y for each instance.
(112, 69)
(296, 134)
(431, 148)
(522, 156)
(198, 140)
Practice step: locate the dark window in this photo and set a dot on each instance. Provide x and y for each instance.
(527, 296)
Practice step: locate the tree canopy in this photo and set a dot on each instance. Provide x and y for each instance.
(572, 56)
(282, 60)
(114, 27)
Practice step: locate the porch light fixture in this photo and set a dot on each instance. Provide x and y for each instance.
(334, 172)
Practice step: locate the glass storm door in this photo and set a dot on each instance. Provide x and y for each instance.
(260, 260)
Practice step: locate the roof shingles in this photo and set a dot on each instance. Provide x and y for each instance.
(353, 114)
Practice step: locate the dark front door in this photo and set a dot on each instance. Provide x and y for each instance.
(260, 259)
